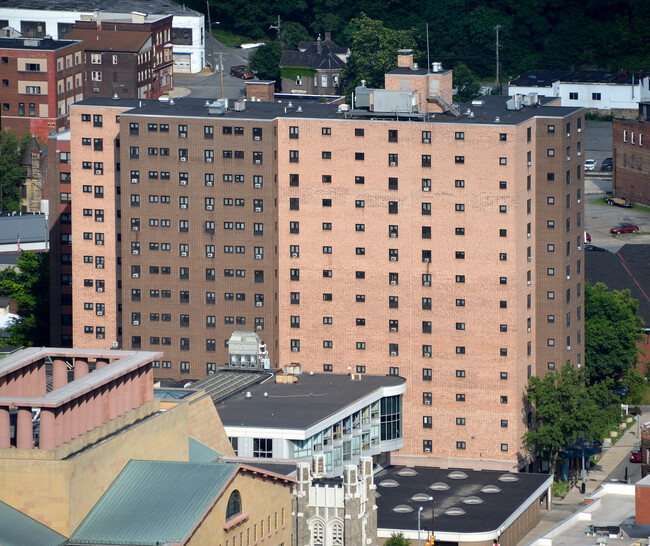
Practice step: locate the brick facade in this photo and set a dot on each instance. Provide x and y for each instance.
(631, 161)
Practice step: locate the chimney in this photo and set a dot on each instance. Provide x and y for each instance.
(405, 58)
(319, 47)
(328, 36)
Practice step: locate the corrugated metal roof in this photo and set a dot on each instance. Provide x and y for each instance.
(153, 502)
(17, 529)
(31, 227)
(200, 453)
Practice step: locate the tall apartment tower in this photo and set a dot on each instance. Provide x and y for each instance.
(443, 247)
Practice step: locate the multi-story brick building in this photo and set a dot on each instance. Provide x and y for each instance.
(631, 179)
(448, 248)
(130, 58)
(41, 78)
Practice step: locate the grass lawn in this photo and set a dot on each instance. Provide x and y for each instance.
(560, 489)
(230, 38)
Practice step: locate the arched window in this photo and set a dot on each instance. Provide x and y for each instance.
(234, 505)
(337, 534)
(318, 534)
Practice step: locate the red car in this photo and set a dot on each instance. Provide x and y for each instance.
(635, 457)
(624, 228)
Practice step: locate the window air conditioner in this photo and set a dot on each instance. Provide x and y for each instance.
(426, 188)
(393, 329)
(183, 135)
(256, 138)
(208, 159)
(426, 283)
(182, 182)
(98, 171)
(100, 313)
(258, 327)
(568, 347)
(568, 277)
(258, 161)
(393, 234)
(136, 323)
(426, 141)
(209, 183)
(100, 289)
(257, 185)
(183, 206)
(393, 258)
(259, 303)
(568, 135)
(427, 450)
(393, 282)
(136, 275)
(579, 130)
(426, 260)
(209, 207)
(184, 254)
(529, 282)
(294, 349)
(210, 255)
(579, 201)
(135, 251)
(427, 403)
(135, 181)
(579, 154)
(427, 355)
(392, 163)
(135, 228)
(183, 158)
(527, 235)
(100, 336)
(258, 256)
(258, 209)
(393, 353)
(294, 254)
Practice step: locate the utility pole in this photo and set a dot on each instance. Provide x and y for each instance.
(276, 28)
(497, 84)
(209, 37)
(221, 71)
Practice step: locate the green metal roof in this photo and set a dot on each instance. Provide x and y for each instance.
(17, 529)
(153, 502)
(200, 453)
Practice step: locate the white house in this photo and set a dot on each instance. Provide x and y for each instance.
(586, 88)
(51, 18)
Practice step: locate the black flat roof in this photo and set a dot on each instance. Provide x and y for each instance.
(42, 44)
(488, 111)
(114, 6)
(487, 516)
(546, 78)
(313, 398)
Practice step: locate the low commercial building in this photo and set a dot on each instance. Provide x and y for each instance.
(619, 92)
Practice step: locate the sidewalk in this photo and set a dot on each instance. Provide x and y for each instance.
(574, 500)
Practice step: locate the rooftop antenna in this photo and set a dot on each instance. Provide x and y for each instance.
(428, 58)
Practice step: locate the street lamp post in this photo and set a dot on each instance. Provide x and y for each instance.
(419, 510)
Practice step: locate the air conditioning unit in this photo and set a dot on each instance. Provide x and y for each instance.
(579, 130)
(257, 138)
(426, 141)
(294, 254)
(210, 255)
(568, 277)
(528, 330)
(135, 181)
(182, 182)
(579, 200)
(392, 163)
(100, 289)
(426, 188)
(135, 251)
(427, 355)
(95, 89)
(258, 256)
(427, 450)
(182, 135)
(568, 135)
(136, 275)
(427, 403)
(530, 259)
(183, 158)
(135, 228)
(115, 345)
(258, 209)
(393, 235)
(258, 327)
(99, 266)
(393, 258)
(136, 323)
(393, 353)
(183, 206)
(209, 207)
(393, 329)
(393, 282)
(258, 161)
(208, 159)
(100, 336)
(529, 282)
(184, 254)
(426, 283)
(568, 347)
(98, 171)
(579, 154)
(100, 313)
(426, 260)
(210, 184)
(99, 219)
(527, 235)
(529, 163)
(257, 185)
(259, 304)
(294, 349)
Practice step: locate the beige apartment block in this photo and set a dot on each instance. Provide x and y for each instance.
(443, 248)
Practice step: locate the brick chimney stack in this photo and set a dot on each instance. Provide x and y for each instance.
(405, 58)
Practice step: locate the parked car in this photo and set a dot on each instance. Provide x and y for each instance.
(619, 202)
(590, 164)
(607, 164)
(241, 71)
(594, 248)
(635, 457)
(624, 228)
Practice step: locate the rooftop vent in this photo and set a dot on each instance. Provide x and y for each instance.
(457, 475)
(436, 67)
(403, 509)
(407, 472)
(415, 66)
(299, 109)
(497, 119)
(439, 486)
(249, 395)
(388, 483)
(455, 511)
(116, 96)
(478, 102)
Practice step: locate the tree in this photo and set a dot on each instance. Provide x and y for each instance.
(291, 34)
(567, 409)
(466, 83)
(374, 51)
(11, 172)
(612, 330)
(265, 61)
(28, 284)
(397, 539)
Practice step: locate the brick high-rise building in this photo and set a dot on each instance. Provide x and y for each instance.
(41, 78)
(445, 248)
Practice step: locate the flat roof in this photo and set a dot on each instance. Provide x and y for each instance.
(487, 110)
(41, 44)
(310, 400)
(546, 78)
(402, 70)
(115, 6)
(484, 511)
(30, 228)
